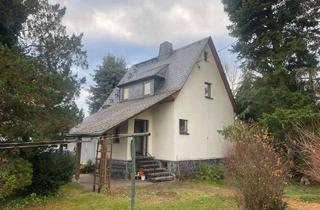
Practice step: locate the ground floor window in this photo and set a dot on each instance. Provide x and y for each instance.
(183, 126)
(116, 133)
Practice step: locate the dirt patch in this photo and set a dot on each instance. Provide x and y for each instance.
(303, 205)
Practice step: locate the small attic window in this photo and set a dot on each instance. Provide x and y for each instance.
(206, 56)
(125, 93)
(129, 75)
(207, 90)
(146, 88)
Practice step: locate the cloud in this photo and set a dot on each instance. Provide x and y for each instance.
(81, 101)
(146, 22)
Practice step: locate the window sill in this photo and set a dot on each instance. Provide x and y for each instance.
(184, 133)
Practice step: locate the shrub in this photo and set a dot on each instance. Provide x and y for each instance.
(87, 168)
(307, 139)
(15, 174)
(312, 162)
(255, 168)
(51, 169)
(211, 172)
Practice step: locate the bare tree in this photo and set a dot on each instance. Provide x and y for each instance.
(307, 139)
(233, 74)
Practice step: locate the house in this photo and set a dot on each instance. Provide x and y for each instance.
(181, 97)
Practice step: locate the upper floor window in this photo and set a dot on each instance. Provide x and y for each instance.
(125, 93)
(207, 90)
(205, 56)
(183, 126)
(147, 88)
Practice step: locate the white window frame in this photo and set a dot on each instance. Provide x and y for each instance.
(185, 130)
(145, 90)
(125, 93)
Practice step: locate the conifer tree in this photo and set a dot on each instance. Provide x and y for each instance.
(107, 77)
(278, 42)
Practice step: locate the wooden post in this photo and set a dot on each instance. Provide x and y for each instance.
(102, 165)
(78, 159)
(108, 163)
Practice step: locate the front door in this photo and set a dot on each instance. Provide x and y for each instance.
(141, 126)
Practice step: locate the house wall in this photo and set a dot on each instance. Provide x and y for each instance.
(160, 142)
(205, 116)
(163, 146)
(119, 150)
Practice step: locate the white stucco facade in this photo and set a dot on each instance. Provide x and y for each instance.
(205, 116)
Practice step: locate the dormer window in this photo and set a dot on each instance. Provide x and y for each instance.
(146, 88)
(125, 93)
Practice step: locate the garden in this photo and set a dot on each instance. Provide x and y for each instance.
(254, 176)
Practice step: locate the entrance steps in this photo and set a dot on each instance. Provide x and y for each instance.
(152, 169)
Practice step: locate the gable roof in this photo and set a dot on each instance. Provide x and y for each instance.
(176, 69)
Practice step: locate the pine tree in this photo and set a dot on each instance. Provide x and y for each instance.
(278, 42)
(13, 14)
(107, 77)
(37, 86)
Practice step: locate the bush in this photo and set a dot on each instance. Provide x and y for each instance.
(211, 172)
(307, 139)
(312, 161)
(256, 169)
(87, 168)
(51, 169)
(15, 174)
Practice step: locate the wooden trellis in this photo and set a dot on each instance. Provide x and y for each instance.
(103, 164)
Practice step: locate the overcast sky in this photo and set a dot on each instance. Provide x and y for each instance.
(133, 29)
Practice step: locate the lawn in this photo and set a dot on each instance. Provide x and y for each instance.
(171, 195)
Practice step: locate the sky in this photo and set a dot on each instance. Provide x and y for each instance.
(134, 29)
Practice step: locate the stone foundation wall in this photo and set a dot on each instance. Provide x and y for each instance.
(121, 169)
(188, 168)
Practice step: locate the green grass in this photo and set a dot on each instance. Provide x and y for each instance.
(304, 193)
(164, 196)
(183, 195)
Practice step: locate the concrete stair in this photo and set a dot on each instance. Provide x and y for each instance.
(152, 169)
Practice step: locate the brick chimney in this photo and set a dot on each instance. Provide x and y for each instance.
(165, 50)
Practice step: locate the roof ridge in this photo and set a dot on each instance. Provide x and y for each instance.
(151, 60)
(188, 45)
